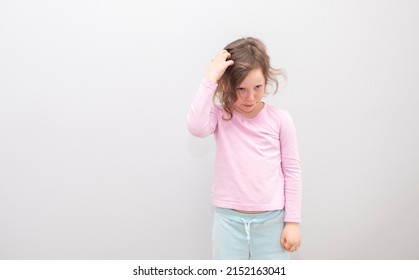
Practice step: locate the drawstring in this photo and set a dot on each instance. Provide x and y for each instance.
(247, 228)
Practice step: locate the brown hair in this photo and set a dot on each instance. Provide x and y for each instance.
(248, 54)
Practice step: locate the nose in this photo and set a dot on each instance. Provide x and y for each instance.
(250, 96)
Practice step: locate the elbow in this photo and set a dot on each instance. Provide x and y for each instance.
(292, 171)
(196, 130)
(199, 127)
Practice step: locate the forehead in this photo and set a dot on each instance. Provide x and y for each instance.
(254, 77)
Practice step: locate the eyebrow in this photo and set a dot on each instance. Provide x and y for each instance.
(258, 84)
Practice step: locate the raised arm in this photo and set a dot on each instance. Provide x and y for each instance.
(202, 120)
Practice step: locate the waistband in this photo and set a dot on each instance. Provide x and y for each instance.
(239, 216)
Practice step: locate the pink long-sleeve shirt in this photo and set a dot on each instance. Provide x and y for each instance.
(257, 164)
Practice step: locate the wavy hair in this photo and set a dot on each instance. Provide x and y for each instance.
(248, 54)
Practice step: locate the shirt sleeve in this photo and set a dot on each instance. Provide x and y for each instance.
(202, 117)
(291, 170)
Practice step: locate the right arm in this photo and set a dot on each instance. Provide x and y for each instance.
(202, 120)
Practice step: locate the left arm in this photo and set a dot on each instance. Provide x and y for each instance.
(290, 164)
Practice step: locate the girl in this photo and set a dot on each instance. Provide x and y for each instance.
(257, 187)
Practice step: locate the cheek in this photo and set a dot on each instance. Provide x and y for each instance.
(237, 102)
(260, 95)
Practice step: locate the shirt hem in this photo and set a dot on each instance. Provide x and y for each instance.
(264, 207)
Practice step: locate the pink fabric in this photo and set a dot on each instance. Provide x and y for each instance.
(257, 164)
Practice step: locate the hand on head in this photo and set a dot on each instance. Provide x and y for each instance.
(218, 66)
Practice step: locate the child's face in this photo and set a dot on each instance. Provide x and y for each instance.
(250, 92)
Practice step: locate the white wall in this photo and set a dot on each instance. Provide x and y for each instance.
(95, 158)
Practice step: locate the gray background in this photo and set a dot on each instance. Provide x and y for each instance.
(95, 158)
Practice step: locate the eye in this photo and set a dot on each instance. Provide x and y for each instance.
(241, 90)
(258, 87)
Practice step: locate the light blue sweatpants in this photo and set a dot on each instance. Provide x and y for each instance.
(240, 236)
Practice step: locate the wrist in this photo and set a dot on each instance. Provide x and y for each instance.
(211, 79)
(292, 224)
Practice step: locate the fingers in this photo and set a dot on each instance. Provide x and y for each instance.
(283, 241)
(289, 246)
(292, 248)
(223, 56)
